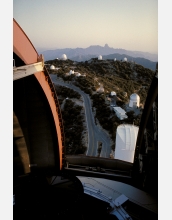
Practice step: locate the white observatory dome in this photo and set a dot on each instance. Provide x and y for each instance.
(52, 67)
(115, 59)
(134, 97)
(134, 100)
(99, 57)
(125, 59)
(113, 93)
(64, 57)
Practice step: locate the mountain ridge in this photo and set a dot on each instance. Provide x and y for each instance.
(95, 50)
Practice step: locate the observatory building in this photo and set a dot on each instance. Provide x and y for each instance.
(134, 100)
(99, 57)
(64, 57)
(71, 72)
(114, 59)
(120, 113)
(125, 59)
(52, 67)
(113, 93)
(77, 74)
(100, 89)
(126, 137)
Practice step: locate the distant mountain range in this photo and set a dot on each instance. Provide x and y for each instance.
(145, 59)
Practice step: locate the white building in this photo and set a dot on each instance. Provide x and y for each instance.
(99, 57)
(113, 93)
(126, 137)
(134, 100)
(64, 57)
(120, 113)
(125, 59)
(52, 67)
(100, 89)
(71, 72)
(114, 59)
(77, 74)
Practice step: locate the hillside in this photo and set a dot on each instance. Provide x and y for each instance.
(98, 78)
(113, 75)
(138, 60)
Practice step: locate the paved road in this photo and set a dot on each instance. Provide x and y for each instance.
(95, 134)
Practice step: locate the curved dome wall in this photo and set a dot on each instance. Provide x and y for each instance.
(37, 111)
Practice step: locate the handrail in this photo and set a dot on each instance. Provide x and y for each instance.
(53, 91)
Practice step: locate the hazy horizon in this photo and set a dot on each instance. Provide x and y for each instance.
(44, 48)
(130, 25)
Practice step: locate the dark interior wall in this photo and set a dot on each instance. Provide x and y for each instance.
(34, 118)
(17, 61)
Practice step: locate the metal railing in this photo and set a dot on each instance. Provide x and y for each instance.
(53, 92)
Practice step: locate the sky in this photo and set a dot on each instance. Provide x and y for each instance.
(54, 24)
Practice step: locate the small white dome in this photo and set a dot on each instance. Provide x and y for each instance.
(52, 67)
(64, 57)
(125, 59)
(113, 93)
(99, 57)
(114, 59)
(134, 97)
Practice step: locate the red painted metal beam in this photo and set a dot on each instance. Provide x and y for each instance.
(24, 49)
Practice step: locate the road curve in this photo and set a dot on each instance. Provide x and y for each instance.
(95, 134)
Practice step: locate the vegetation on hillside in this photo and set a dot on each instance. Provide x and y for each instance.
(124, 78)
(72, 120)
(73, 128)
(67, 92)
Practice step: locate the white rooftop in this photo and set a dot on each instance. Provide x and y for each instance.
(120, 110)
(126, 137)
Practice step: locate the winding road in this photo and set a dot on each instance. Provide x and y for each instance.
(95, 133)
